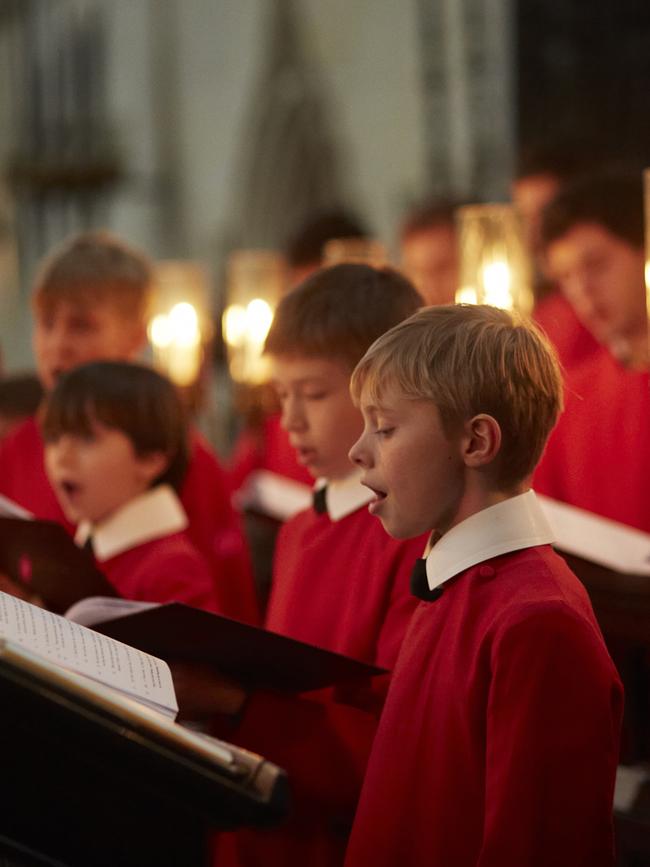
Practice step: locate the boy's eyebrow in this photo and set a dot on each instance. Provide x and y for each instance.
(377, 409)
(304, 380)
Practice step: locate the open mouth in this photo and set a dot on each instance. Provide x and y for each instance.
(70, 489)
(305, 455)
(378, 499)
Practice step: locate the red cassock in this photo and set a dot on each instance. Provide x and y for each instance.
(266, 449)
(598, 456)
(498, 742)
(572, 341)
(169, 569)
(343, 585)
(213, 524)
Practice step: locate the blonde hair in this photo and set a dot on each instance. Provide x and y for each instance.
(96, 267)
(471, 359)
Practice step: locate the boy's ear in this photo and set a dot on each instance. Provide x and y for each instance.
(481, 440)
(152, 465)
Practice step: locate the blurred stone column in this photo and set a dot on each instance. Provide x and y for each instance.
(467, 50)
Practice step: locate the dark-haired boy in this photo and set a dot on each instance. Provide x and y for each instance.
(339, 581)
(498, 742)
(116, 454)
(598, 458)
(91, 301)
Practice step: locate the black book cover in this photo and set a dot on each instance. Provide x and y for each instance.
(254, 657)
(41, 557)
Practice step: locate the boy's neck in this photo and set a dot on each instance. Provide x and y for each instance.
(477, 497)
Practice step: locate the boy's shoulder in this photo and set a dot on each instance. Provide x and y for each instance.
(524, 586)
(24, 438)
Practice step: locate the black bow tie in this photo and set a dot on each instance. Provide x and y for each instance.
(319, 502)
(88, 546)
(420, 585)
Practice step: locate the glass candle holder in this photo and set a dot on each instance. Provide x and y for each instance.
(179, 326)
(494, 265)
(256, 280)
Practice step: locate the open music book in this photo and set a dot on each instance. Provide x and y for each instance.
(254, 657)
(274, 495)
(602, 541)
(88, 654)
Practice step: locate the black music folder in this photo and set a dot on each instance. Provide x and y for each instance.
(256, 658)
(41, 557)
(90, 778)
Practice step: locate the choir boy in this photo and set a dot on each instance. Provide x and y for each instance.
(91, 301)
(116, 453)
(598, 458)
(498, 742)
(339, 580)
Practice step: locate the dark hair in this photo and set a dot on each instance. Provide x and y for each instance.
(306, 245)
(563, 159)
(613, 200)
(127, 397)
(430, 214)
(20, 395)
(338, 312)
(96, 266)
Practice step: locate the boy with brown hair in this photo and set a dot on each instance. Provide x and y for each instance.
(340, 582)
(116, 453)
(498, 741)
(598, 458)
(90, 301)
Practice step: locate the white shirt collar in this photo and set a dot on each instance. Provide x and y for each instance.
(511, 525)
(344, 496)
(156, 513)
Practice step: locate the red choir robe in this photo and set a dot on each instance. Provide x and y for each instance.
(572, 341)
(143, 550)
(498, 742)
(267, 449)
(342, 583)
(213, 524)
(598, 456)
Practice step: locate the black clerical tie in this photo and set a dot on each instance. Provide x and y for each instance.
(319, 502)
(420, 585)
(88, 546)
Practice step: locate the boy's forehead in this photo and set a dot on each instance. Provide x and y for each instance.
(379, 395)
(296, 367)
(78, 304)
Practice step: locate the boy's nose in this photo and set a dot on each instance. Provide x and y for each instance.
(358, 454)
(59, 345)
(292, 418)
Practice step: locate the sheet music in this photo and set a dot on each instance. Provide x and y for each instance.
(584, 534)
(85, 652)
(9, 509)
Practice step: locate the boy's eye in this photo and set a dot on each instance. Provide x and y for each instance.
(82, 324)
(384, 431)
(315, 395)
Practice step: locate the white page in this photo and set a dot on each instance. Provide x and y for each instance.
(80, 649)
(274, 495)
(96, 609)
(608, 543)
(9, 509)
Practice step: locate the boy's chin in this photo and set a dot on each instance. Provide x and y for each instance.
(398, 530)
